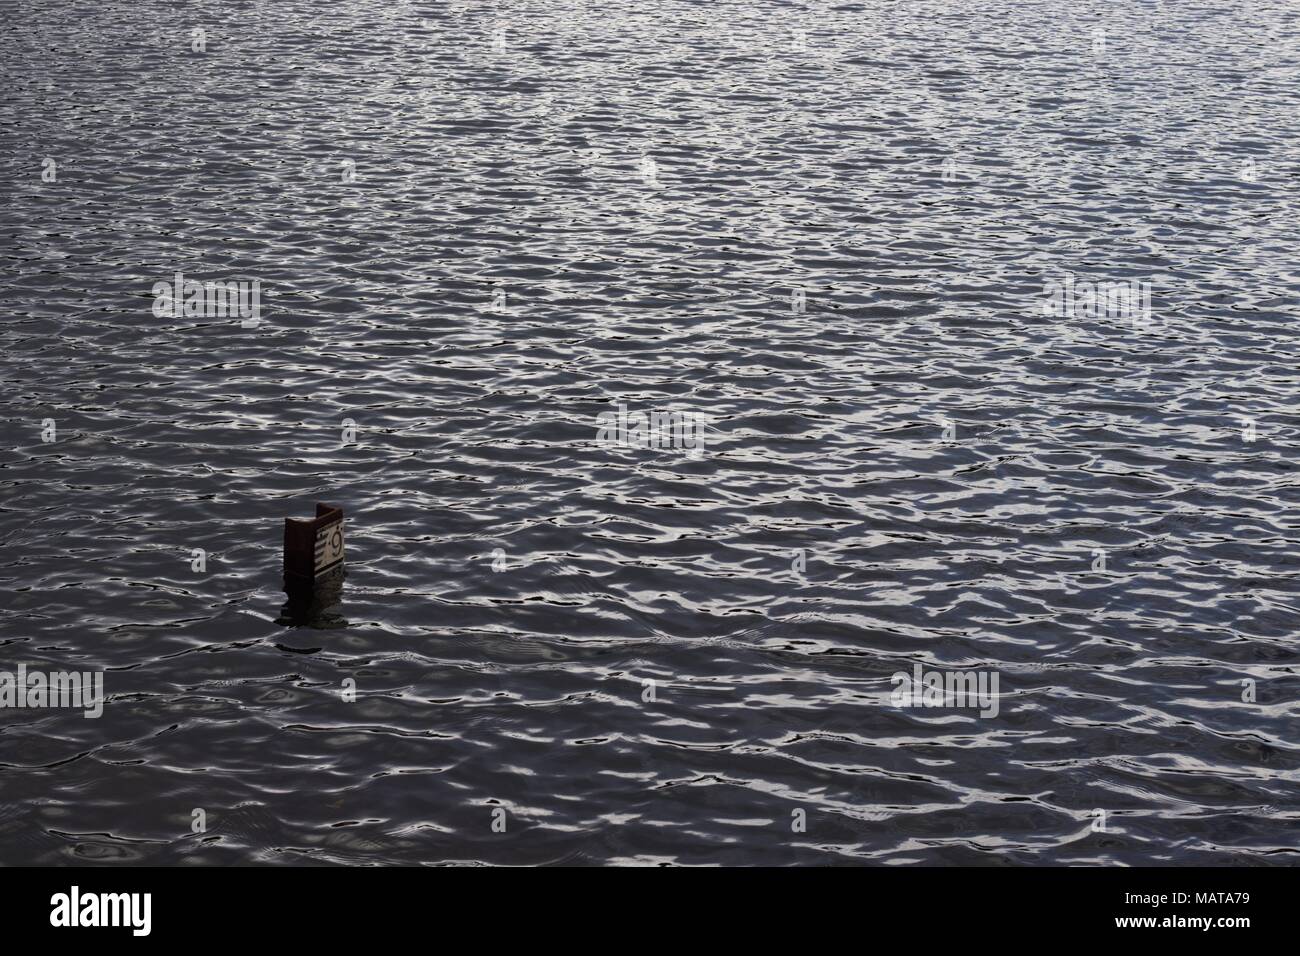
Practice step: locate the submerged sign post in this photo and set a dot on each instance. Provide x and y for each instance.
(313, 546)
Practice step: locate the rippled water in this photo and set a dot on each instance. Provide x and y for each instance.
(916, 466)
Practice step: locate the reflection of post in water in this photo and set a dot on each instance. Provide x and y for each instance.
(315, 604)
(314, 569)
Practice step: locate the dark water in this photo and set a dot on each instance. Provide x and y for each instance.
(795, 147)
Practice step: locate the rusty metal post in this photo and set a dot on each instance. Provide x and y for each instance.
(312, 546)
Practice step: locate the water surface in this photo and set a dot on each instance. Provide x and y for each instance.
(917, 466)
